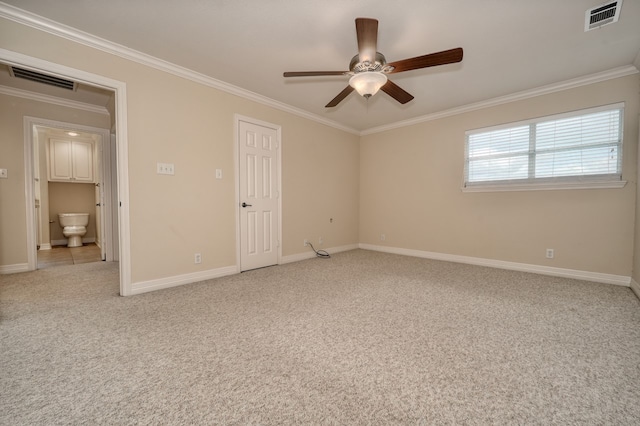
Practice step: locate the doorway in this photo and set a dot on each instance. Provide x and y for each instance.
(57, 191)
(258, 193)
(120, 146)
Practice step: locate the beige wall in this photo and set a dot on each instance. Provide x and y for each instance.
(410, 190)
(404, 183)
(71, 198)
(13, 224)
(174, 120)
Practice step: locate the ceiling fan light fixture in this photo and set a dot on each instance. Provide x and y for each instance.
(367, 84)
(369, 68)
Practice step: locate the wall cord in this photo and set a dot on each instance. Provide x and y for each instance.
(319, 253)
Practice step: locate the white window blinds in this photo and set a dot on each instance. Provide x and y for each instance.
(568, 146)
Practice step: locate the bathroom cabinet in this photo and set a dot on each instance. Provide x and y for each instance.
(70, 161)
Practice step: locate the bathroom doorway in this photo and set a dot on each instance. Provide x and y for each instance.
(57, 191)
(119, 153)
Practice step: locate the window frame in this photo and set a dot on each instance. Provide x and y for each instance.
(613, 180)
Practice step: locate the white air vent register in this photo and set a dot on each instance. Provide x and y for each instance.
(602, 15)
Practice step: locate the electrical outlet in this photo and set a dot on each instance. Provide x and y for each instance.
(3, 173)
(383, 237)
(550, 253)
(306, 242)
(197, 258)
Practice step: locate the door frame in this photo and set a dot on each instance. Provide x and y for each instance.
(120, 88)
(106, 231)
(237, 118)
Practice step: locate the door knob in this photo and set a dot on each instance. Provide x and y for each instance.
(246, 205)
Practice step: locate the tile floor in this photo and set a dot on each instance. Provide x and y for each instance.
(62, 255)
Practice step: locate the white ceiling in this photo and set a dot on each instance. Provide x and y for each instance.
(509, 45)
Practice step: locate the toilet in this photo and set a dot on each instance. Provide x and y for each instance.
(74, 226)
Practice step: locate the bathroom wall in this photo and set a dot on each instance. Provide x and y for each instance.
(71, 198)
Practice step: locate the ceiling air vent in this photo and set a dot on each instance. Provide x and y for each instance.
(602, 15)
(43, 78)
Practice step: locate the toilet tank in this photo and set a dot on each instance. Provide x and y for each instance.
(73, 219)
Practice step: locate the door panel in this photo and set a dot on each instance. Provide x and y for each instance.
(267, 227)
(258, 196)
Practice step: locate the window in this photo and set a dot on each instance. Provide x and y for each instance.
(568, 150)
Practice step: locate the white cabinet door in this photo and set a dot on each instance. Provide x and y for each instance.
(82, 161)
(60, 167)
(70, 161)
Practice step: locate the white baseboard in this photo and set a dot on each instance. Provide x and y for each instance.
(310, 254)
(152, 285)
(514, 266)
(635, 287)
(45, 246)
(14, 269)
(160, 283)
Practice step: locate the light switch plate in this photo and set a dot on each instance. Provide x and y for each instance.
(218, 173)
(3, 174)
(165, 169)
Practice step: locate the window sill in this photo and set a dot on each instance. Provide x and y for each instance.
(548, 186)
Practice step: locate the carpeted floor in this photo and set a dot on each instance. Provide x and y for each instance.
(361, 338)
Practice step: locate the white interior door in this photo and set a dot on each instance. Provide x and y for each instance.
(258, 195)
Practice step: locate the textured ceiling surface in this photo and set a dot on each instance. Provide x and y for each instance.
(509, 46)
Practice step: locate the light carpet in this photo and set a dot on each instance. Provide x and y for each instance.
(360, 338)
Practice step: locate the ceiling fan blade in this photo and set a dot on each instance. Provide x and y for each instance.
(313, 73)
(396, 92)
(431, 60)
(367, 33)
(335, 101)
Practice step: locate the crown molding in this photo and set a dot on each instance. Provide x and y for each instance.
(25, 94)
(32, 20)
(518, 96)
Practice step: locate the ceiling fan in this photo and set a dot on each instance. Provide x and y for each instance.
(369, 68)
